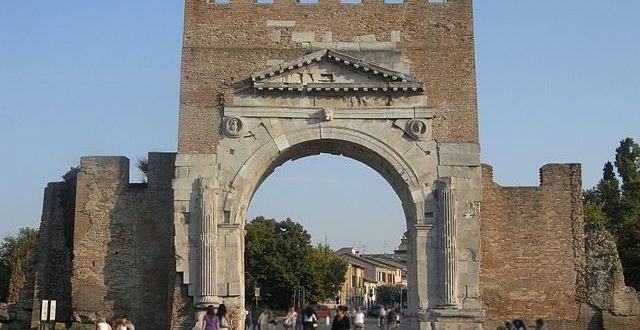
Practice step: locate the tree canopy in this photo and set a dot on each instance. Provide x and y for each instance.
(15, 252)
(615, 202)
(279, 258)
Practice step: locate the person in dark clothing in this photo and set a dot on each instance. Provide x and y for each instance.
(341, 321)
(309, 319)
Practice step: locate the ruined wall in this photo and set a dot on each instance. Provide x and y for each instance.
(48, 273)
(123, 248)
(605, 281)
(225, 43)
(533, 257)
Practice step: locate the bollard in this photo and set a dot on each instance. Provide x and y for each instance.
(327, 320)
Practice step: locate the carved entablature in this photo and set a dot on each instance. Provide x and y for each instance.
(332, 71)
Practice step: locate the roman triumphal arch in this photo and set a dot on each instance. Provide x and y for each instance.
(346, 103)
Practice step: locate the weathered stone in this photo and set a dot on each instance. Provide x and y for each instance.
(605, 281)
(478, 253)
(4, 312)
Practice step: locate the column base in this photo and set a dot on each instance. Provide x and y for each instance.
(451, 319)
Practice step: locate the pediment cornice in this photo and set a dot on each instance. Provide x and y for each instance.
(378, 78)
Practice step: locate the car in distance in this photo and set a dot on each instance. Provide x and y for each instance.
(374, 310)
(322, 311)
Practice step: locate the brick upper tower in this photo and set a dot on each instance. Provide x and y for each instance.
(226, 43)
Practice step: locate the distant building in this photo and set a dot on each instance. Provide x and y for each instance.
(365, 274)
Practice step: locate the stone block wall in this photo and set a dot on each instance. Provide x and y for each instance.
(48, 274)
(123, 242)
(532, 249)
(225, 43)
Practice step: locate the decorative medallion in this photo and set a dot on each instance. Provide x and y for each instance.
(417, 129)
(233, 127)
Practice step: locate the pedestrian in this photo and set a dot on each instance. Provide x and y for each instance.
(382, 316)
(398, 314)
(120, 324)
(210, 319)
(128, 323)
(358, 319)
(391, 319)
(292, 316)
(519, 324)
(265, 321)
(540, 325)
(509, 326)
(309, 319)
(248, 325)
(299, 320)
(223, 318)
(255, 315)
(341, 321)
(102, 324)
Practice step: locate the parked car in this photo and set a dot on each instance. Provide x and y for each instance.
(374, 310)
(322, 311)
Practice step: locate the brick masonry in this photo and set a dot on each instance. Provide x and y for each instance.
(107, 247)
(533, 247)
(123, 260)
(225, 43)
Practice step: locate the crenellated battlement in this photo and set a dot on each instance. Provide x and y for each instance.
(327, 2)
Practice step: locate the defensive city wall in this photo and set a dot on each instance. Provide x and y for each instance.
(105, 245)
(482, 253)
(106, 248)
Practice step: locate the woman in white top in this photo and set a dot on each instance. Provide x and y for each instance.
(358, 319)
(292, 316)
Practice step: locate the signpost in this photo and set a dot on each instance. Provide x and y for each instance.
(44, 311)
(47, 314)
(257, 294)
(52, 311)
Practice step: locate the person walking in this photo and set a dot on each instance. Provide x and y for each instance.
(358, 319)
(519, 324)
(299, 320)
(128, 323)
(266, 320)
(309, 319)
(255, 315)
(509, 326)
(102, 324)
(292, 317)
(382, 316)
(540, 325)
(341, 321)
(223, 318)
(120, 324)
(210, 319)
(391, 319)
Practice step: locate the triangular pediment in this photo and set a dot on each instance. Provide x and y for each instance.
(328, 70)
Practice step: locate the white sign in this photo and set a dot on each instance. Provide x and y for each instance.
(52, 310)
(257, 292)
(44, 310)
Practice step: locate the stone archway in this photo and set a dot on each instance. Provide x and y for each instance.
(330, 102)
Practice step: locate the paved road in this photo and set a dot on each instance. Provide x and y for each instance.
(372, 324)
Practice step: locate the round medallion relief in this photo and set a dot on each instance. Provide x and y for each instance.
(232, 126)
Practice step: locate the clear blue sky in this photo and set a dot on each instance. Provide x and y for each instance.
(557, 82)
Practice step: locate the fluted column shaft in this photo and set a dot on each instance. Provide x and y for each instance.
(207, 260)
(447, 204)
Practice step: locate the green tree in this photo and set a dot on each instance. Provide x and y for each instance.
(276, 259)
(328, 273)
(15, 252)
(617, 206)
(389, 294)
